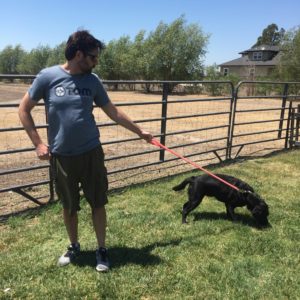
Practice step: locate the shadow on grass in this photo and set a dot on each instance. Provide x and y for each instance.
(240, 219)
(120, 256)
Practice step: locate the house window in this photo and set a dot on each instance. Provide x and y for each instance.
(257, 55)
(225, 71)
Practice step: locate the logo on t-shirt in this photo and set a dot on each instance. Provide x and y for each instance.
(60, 91)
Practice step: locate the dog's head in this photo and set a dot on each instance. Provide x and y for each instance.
(258, 208)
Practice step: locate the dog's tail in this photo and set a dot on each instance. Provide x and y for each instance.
(183, 184)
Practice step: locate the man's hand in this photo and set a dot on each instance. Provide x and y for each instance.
(42, 152)
(146, 136)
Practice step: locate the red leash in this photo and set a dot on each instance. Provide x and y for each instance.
(158, 144)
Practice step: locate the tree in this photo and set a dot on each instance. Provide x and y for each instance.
(115, 60)
(35, 60)
(213, 74)
(138, 65)
(57, 55)
(171, 52)
(270, 36)
(174, 51)
(10, 58)
(289, 67)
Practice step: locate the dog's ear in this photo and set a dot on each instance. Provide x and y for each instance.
(248, 197)
(252, 198)
(255, 203)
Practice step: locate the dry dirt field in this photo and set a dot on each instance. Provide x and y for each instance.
(218, 114)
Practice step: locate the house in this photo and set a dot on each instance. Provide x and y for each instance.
(258, 61)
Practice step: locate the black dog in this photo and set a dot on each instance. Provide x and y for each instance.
(206, 185)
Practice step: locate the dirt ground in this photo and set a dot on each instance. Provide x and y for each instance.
(217, 120)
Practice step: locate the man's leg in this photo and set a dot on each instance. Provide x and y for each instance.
(71, 223)
(67, 171)
(99, 221)
(95, 185)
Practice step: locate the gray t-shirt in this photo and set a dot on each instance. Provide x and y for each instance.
(69, 103)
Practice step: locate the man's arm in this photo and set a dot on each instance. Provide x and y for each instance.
(121, 118)
(25, 107)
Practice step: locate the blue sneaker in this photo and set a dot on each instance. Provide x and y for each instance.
(102, 260)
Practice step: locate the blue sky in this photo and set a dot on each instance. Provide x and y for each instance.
(233, 25)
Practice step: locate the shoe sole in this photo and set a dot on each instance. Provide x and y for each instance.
(102, 269)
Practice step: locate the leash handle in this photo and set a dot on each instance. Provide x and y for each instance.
(156, 143)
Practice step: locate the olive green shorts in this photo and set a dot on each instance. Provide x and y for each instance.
(86, 171)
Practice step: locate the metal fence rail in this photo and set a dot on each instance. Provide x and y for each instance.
(206, 128)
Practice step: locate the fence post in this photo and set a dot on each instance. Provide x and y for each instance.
(163, 126)
(51, 166)
(293, 117)
(231, 118)
(289, 120)
(297, 126)
(283, 105)
(232, 121)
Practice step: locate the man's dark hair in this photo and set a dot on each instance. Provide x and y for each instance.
(81, 40)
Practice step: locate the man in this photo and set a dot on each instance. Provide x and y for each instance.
(69, 92)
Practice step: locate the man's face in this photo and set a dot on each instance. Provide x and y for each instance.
(89, 61)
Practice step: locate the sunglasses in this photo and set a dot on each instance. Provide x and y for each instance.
(92, 56)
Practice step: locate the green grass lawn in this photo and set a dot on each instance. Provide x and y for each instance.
(154, 256)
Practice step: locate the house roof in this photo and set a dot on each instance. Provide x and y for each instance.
(245, 61)
(261, 48)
